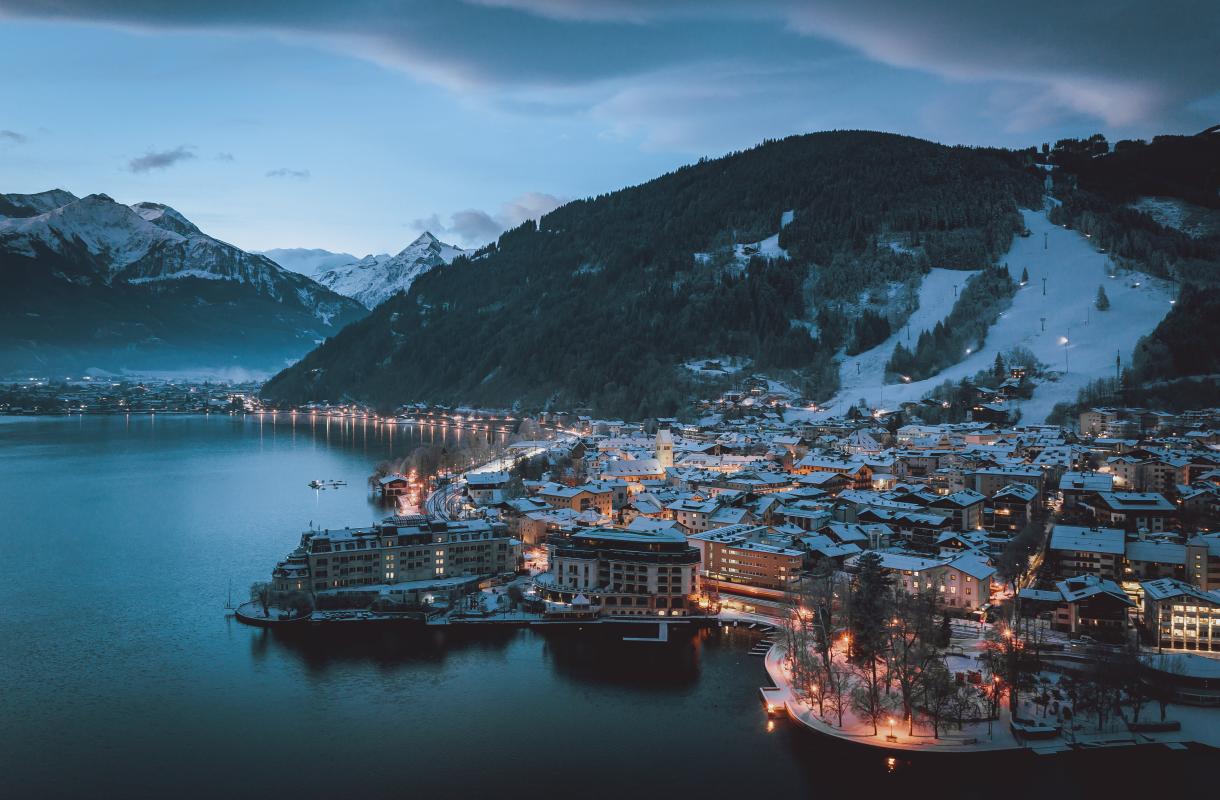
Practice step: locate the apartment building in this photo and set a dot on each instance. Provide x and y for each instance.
(1077, 550)
(1131, 510)
(618, 572)
(961, 582)
(747, 559)
(397, 550)
(1178, 616)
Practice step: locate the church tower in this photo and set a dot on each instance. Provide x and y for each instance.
(665, 448)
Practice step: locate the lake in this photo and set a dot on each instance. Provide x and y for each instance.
(120, 675)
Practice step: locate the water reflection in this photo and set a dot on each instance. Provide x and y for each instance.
(121, 677)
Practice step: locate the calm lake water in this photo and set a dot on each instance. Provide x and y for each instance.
(121, 677)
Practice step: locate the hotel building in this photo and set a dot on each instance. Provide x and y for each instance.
(1178, 616)
(742, 559)
(616, 572)
(397, 550)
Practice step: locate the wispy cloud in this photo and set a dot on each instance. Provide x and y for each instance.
(1146, 65)
(13, 137)
(285, 172)
(163, 159)
(472, 227)
(224, 157)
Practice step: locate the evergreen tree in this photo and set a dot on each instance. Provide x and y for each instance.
(945, 634)
(1024, 276)
(999, 369)
(1102, 302)
(871, 607)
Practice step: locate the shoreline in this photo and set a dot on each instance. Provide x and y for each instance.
(777, 699)
(1003, 740)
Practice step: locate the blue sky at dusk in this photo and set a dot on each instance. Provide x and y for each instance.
(351, 126)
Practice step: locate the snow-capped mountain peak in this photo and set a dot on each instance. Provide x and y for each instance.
(165, 217)
(108, 234)
(375, 278)
(31, 205)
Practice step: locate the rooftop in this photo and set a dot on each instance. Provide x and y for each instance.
(1088, 540)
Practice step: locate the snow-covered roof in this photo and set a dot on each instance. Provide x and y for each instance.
(1087, 540)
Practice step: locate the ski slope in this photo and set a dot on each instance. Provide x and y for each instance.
(867, 369)
(1079, 342)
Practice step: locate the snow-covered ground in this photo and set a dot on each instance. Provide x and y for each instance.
(1077, 336)
(936, 299)
(728, 365)
(744, 251)
(1178, 214)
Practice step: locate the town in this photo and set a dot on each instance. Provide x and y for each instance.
(89, 394)
(956, 586)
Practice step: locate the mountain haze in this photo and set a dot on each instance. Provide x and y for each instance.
(89, 282)
(307, 260)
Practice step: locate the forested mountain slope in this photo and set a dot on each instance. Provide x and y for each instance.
(599, 301)
(1098, 191)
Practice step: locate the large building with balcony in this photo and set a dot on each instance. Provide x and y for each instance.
(617, 572)
(744, 559)
(394, 551)
(1076, 550)
(1178, 616)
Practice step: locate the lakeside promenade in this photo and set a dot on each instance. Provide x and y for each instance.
(1197, 728)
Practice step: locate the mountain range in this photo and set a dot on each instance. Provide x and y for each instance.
(785, 257)
(767, 255)
(373, 279)
(90, 283)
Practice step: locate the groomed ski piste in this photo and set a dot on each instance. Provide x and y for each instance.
(1077, 344)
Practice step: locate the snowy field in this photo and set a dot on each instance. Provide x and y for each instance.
(744, 251)
(1078, 338)
(867, 369)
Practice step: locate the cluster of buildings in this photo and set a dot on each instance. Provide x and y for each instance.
(102, 395)
(664, 519)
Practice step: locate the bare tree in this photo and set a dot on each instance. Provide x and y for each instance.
(299, 603)
(261, 592)
(868, 699)
(1008, 657)
(835, 691)
(939, 695)
(1163, 690)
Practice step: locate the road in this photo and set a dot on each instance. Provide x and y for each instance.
(445, 501)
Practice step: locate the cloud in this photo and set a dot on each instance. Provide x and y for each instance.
(224, 157)
(163, 159)
(1087, 62)
(530, 205)
(472, 227)
(13, 137)
(284, 172)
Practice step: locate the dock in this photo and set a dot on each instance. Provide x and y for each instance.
(662, 635)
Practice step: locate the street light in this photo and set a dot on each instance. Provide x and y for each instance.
(1063, 340)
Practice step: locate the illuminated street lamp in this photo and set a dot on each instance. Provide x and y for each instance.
(1063, 340)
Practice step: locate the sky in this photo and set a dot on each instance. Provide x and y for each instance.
(354, 126)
